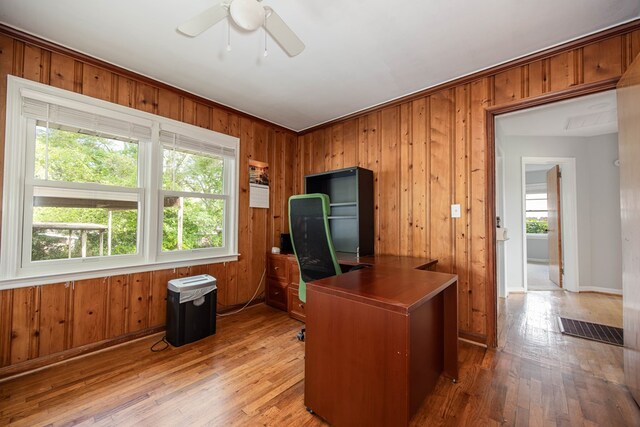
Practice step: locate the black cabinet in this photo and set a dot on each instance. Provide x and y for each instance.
(350, 191)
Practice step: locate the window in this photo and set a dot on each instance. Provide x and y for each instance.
(195, 194)
(536, 213)
(85, 195)
(90, 185)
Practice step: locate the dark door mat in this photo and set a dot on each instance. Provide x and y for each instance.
(591, 331)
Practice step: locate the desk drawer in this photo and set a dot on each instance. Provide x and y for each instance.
(277, 267)
(294, 274)
(296, 307)
(276, 294)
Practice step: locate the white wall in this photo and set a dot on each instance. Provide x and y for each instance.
(598, 205)
(537, 248)
(604, 207)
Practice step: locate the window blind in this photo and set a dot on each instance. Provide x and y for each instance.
(84, 120)
(171, 140)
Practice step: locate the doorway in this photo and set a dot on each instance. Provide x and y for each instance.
(577, 139)
(580, 137)
(549, 224)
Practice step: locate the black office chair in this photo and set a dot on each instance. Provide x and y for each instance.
(311, 239)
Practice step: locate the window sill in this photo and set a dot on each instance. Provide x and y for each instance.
(33, 279)
(537, 236)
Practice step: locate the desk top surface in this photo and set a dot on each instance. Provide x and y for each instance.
(394, 260)
(393, 283)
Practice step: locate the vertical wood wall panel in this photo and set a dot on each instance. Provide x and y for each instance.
(537, 78)
(53, 318)
(603, 60)
(480, 100)
(117, 306)
(406, 188)
(33, 68)
(138, 302)
(158, 293)
(336, 151)
(461, 196)
(388, 183)
(420, 173)
(6, 67)
(561, 72)
(440, 221)
(430, 151)
(23, 324)
(89, 315)
(169, 104)
(61, 72)
(350, 143)
(96, 82)
(6, 312)
(508, 86)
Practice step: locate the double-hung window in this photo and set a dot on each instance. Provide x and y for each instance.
(196, 193)
(536, 213)
(93, 187)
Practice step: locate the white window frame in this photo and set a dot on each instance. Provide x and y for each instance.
(16, 267)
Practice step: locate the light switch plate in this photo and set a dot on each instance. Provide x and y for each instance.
(455, 211)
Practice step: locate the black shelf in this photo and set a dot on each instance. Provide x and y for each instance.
(350, 193)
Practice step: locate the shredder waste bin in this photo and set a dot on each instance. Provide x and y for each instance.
(191, 309)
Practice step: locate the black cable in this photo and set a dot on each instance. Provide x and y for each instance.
(163, 339)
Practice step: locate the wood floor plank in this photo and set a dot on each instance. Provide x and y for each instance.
(252, 373)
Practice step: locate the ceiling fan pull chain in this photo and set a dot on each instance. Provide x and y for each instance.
(264, 29)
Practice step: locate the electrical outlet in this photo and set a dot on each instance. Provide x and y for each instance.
(455, 211)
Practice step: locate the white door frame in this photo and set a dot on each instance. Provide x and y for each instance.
(501, 264)
(569, 218)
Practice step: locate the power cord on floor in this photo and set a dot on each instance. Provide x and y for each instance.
(164, 338)
(250, 300)
(166, 345)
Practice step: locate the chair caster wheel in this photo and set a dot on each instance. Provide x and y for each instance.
(300, 336)
(309, 410)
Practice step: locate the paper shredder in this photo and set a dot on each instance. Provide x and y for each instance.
(191, 309)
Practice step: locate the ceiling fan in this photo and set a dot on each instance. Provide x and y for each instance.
(249, 15)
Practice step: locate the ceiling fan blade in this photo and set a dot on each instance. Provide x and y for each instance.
(282, 34)
(204, 20)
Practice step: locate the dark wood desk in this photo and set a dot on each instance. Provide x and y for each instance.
(377, 341)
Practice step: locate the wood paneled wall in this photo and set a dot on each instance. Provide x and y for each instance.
(427, 151)
(40, 321)
(431, 150)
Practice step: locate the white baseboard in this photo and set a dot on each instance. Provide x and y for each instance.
(600, 290)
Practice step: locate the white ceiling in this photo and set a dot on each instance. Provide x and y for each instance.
(359, 53)
(586, 116)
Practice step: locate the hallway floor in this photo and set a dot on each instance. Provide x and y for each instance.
(538, 278)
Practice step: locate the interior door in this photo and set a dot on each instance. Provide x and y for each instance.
(554, 233)
(629, 155)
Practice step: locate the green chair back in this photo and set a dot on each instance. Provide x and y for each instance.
(311, 239)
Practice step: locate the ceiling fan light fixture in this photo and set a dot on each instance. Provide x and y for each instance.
(247, 14)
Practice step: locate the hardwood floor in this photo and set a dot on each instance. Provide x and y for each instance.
(251, 373)
(538, 277)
